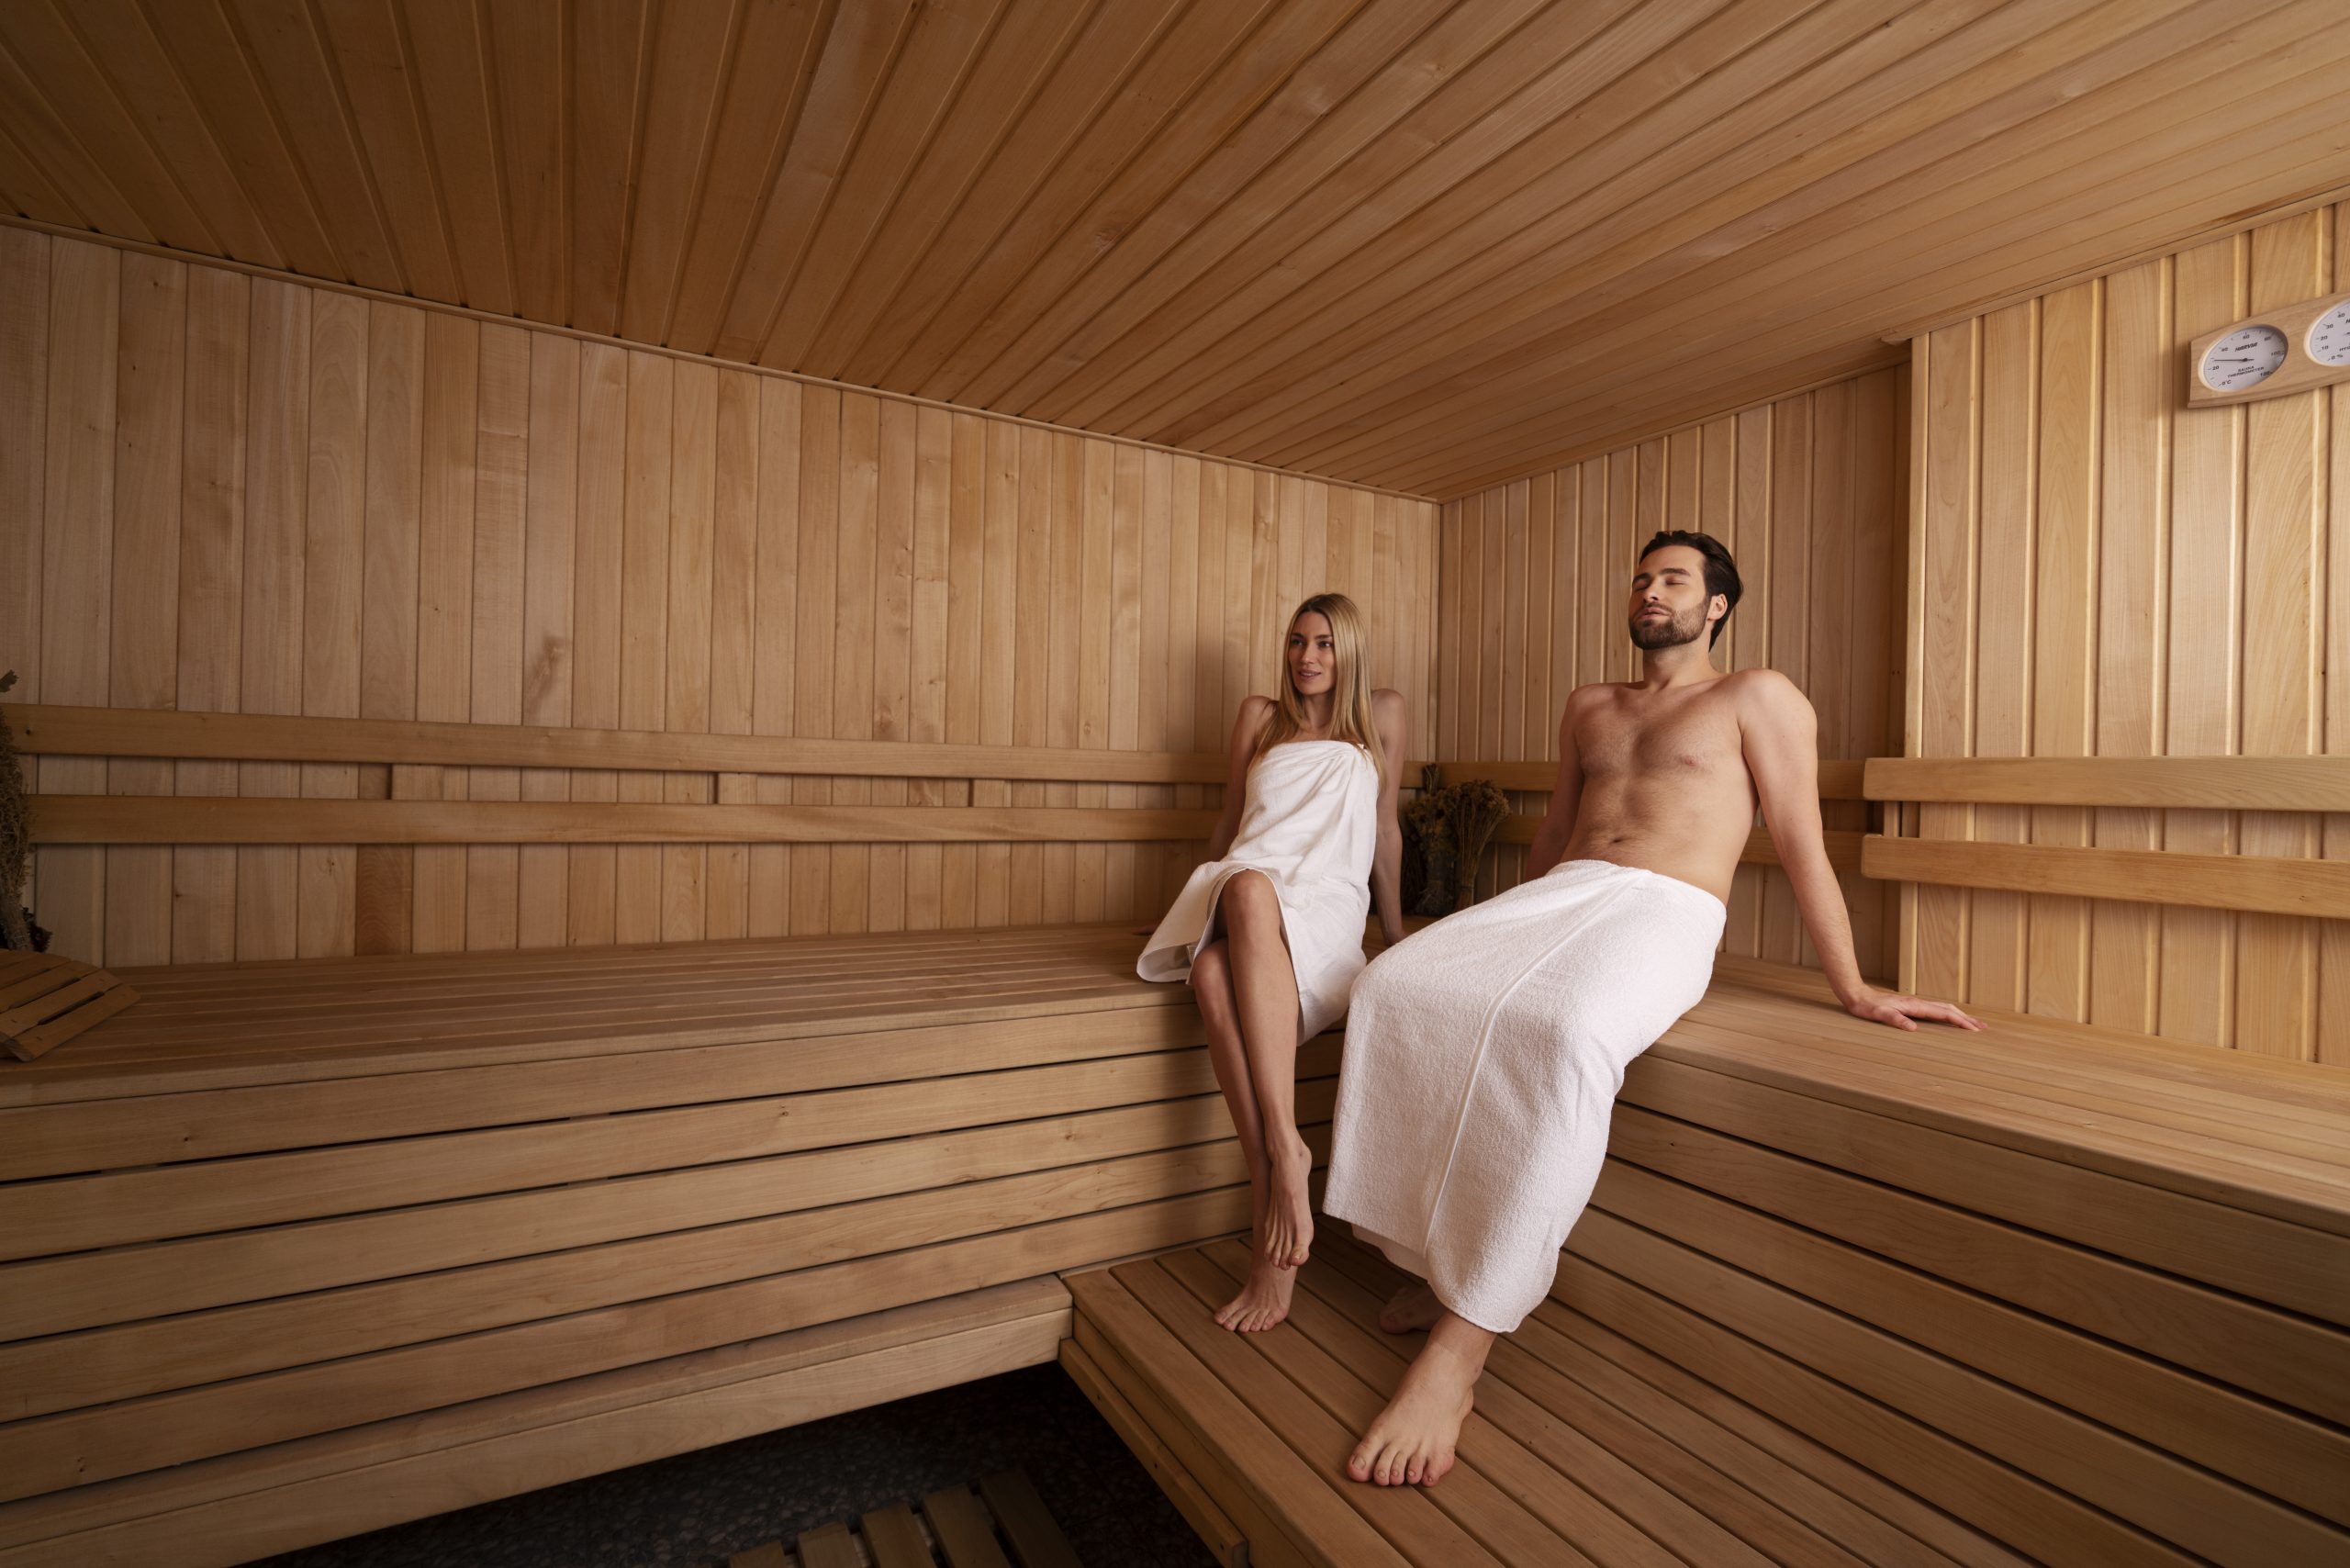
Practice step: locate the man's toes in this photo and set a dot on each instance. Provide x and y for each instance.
(1358, 1461)
(1414, 1469)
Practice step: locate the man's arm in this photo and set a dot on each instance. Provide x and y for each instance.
(1558, 829)
(1780, 735)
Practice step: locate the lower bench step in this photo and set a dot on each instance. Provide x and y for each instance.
(1583, 1450)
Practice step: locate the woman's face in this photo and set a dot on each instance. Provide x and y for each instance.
(1313, 659)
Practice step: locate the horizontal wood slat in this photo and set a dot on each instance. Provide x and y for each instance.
(2225, 783)
(131, 819)
(2263, 884)
(62, 731)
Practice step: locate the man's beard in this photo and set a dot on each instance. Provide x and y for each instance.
(1670, 632)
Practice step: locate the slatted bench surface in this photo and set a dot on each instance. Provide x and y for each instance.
(1844, 1295)
(308, 1219)
(212, 1026)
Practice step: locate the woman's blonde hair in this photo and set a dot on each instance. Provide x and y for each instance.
(1350, 715)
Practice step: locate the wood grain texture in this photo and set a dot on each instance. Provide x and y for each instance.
(1393, 243)
(2155, 679)
(450, 566)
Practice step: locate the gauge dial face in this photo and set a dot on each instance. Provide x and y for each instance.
(2245, 357)
(2329, 339)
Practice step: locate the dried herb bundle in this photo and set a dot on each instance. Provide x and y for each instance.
(16, 840)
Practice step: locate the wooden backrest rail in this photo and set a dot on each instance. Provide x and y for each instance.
(2263, 884)
(2225, 783)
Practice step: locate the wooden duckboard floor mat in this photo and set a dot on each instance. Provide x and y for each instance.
(1583, 1450)
(999, 1523)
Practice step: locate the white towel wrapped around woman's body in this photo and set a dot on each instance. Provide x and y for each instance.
(1482, 1063)
(1311, 825)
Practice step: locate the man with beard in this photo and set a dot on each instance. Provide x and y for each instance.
(1484, 1054)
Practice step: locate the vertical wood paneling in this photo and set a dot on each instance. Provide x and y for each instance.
(143, 668)
(276, 498)
(333, 577)
(2178, 590)
(1532, 579)
(245, 494)
(211, 607)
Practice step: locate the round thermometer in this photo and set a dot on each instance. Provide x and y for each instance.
(2329, 339)
(2245, 357)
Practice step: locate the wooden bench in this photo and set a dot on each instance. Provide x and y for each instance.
(1844, 1296)
(293, 1250)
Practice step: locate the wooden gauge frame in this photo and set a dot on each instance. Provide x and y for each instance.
(2299, 373)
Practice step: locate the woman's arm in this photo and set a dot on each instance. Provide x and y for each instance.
(1387, 863)
(1246, 727)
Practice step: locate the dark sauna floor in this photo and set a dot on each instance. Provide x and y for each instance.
(698, 1507)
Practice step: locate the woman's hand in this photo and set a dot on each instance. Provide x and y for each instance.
(1897, 1010)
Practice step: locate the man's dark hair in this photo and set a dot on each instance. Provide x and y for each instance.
(1721, 572)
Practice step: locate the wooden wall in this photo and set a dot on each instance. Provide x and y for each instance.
(227, 492)
(2103, 572)
(1806, 492)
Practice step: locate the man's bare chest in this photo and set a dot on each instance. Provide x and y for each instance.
(1694, 741)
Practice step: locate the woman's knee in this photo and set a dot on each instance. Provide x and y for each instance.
(1251, 901)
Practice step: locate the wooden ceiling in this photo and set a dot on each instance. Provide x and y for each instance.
(1416, 243)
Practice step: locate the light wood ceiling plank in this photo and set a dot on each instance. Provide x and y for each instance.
(1200, 388)
(691, 46)
(380, 86)
(1849, 194)
(58, 55)
(851, 66)
(1615, 237)
(298, 83)
(612, 59)
(134, 63)
(64, 161)
(1018, 55)
(2301, 152)
(1014, 91)
(1172, 249)
(197, 43)
(529, 85)
(29, 192)
(1090, 113)
(1126, 171)
(767, 86)
(450, 52)
(1389, 241)
(1018, 368)
(1775, 284)
(926, 88)
(1574, 118)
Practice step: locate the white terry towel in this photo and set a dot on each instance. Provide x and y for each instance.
(1482, 1061)
(1311, 825)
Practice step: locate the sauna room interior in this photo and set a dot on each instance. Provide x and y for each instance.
(622, 613)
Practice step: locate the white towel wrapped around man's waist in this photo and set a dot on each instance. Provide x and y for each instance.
(1483, 1058)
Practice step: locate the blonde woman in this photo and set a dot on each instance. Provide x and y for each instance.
(1269, 931)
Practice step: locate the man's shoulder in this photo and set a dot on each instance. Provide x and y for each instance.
(1762, 684)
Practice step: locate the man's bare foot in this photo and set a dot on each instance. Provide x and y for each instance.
(1411, 1309)
(1411, 1441)
(1263, 1301)
(1289, 1220)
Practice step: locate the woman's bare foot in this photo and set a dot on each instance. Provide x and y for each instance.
(1289, 1220)
(1411, 1441)
(1263, 1301)
(1411, 1309)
